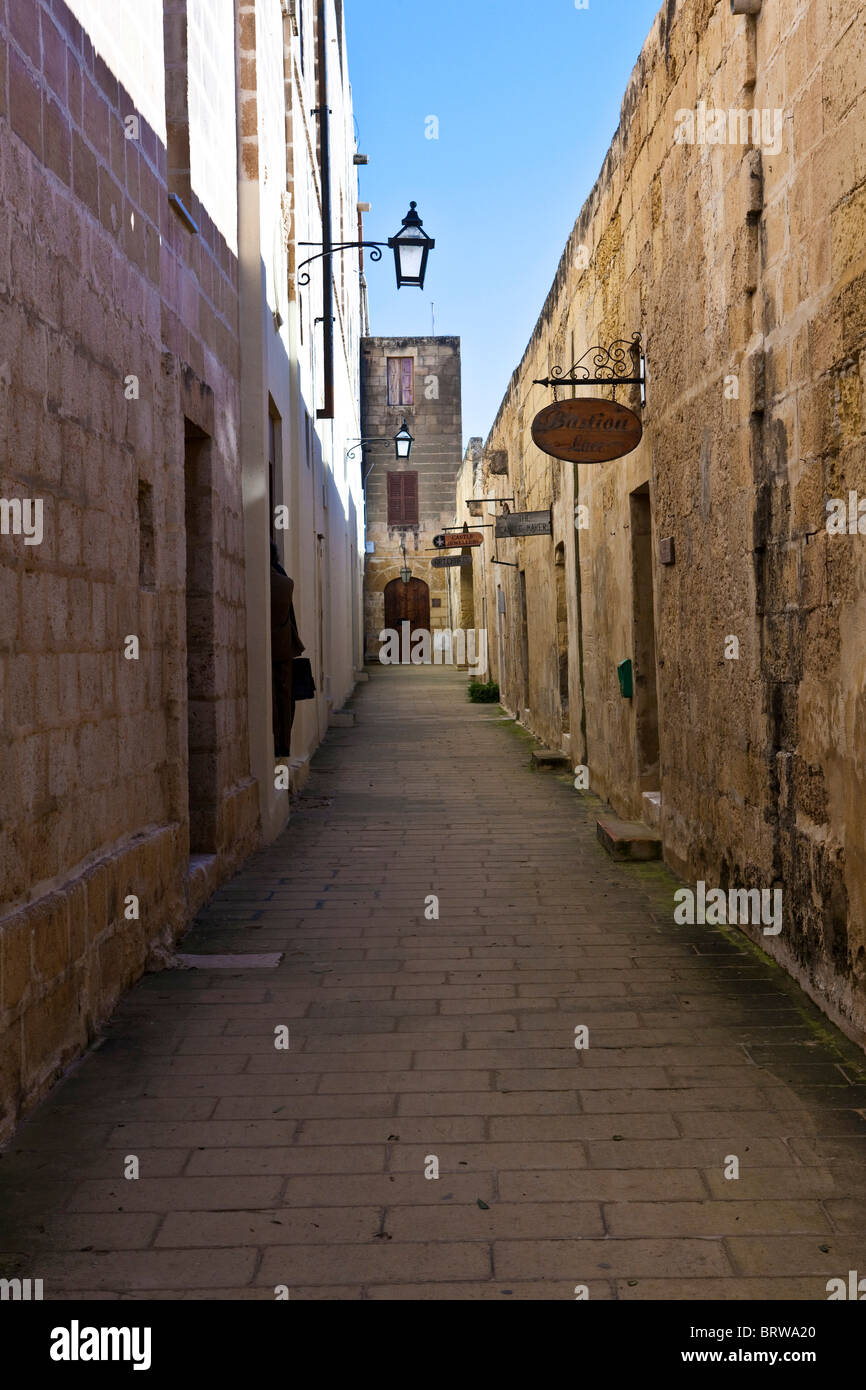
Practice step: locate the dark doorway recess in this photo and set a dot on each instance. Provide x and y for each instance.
(562, 634)
(407, 603)
(199, 508)
(467, 599)
(523, 707)
(644, 637)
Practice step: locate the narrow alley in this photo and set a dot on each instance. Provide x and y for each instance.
(419, 1041)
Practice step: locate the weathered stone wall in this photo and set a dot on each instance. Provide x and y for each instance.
(100, 282)
(743, 265)
(435, 421)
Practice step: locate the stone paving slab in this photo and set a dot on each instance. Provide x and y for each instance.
(416, 1040)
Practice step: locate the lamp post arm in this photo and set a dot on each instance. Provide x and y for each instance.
(371, 439)
(330, 250)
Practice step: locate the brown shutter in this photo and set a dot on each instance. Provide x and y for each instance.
(394, 380)
(402, 499)
(408, 381)
(410, 498)
(395, 499)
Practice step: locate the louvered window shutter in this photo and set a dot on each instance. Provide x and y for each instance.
(402, 499)
(410, 499)
(408, 382)
(395, 500)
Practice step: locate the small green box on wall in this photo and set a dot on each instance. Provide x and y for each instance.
(626, 685)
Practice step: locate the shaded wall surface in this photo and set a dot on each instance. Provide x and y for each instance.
(300, 486)
(738, 251)
(125, 793)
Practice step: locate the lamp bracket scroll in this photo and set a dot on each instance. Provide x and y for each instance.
(621, 364)
(331, 250)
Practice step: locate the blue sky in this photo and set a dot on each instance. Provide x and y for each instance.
(527, 95)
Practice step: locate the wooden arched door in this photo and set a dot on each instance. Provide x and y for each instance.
(407, 603)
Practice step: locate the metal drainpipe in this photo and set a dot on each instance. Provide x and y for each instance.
(326, 412)
(365, 313)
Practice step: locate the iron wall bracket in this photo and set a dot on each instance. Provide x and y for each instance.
(621, 364)
(331, 250)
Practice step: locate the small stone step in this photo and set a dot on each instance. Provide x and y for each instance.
(267, 961)
(548, 761)
(628, 839)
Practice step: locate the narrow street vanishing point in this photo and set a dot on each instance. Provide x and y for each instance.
(508, 1073)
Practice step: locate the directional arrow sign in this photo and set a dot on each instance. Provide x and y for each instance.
(455, 539)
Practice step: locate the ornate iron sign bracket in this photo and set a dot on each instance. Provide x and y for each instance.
(621, 364)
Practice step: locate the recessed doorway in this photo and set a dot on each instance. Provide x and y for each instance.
(407, 603)
(644, 639)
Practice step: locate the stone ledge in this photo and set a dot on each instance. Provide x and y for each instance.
(628, 839)
(547, 760)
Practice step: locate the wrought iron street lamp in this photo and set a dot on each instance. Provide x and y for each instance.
(403, 442)
(405, 573)
(411, 247)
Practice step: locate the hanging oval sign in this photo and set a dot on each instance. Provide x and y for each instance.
(592, 430)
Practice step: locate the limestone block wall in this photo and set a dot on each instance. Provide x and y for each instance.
(435, 421)
(736, 248)
(119, 412)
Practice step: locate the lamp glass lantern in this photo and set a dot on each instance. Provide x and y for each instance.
(403, 442)
(411, 247)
